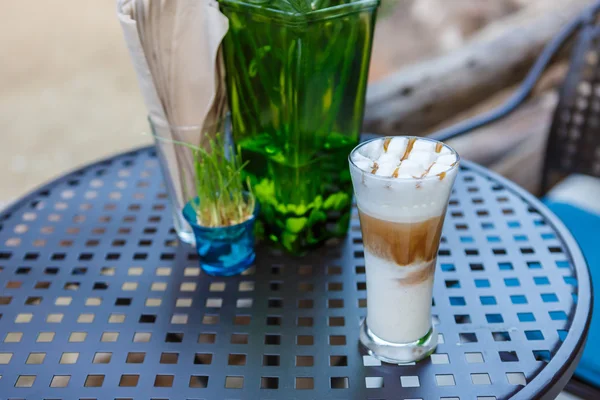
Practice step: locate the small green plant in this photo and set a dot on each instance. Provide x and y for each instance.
(224, 197)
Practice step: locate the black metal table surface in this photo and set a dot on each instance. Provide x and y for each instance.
(99, 301)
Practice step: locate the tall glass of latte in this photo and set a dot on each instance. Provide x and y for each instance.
(402, 187)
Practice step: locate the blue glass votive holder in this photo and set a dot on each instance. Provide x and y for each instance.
(223, 251)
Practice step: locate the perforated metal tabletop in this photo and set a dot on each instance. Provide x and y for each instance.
(98, 300)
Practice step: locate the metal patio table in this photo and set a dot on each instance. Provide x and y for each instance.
(99, 301)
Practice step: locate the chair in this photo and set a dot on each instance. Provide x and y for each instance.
(573, 147)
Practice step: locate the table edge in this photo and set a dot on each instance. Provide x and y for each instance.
(545, 384)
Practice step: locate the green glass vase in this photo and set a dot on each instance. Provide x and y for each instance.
(296, 81)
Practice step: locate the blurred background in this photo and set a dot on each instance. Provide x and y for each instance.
(69, 93)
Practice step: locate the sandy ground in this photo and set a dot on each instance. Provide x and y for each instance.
(68, 93)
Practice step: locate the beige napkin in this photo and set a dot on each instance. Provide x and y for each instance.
(175, 49)
(174, 46)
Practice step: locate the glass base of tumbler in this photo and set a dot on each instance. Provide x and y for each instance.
(183, 229)
(186, 237)
(229, 270)
(398, 353)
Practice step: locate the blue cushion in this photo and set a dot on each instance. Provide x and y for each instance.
(585, 225)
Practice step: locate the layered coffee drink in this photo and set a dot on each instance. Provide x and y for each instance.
(402, 188)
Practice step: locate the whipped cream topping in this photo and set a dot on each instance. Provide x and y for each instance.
(403, 179)
(405, 158)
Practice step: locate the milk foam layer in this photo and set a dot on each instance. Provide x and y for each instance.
(403, 179)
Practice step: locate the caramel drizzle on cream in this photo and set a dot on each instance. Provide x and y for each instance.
(442, 175)
(409, 147)
(375, 168)
(426, 171)
(386, 144)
